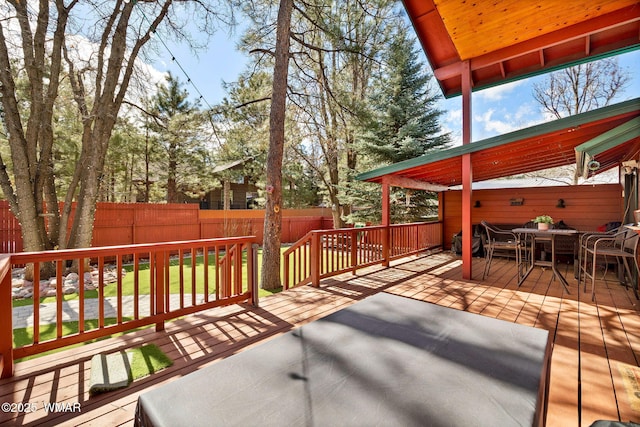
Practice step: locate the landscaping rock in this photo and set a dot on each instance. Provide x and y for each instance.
(21, 288)
(71, 279)
(89, 278)
(19, 283)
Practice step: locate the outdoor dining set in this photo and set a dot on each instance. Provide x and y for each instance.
(531, 246)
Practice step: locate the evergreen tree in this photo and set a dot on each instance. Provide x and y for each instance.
(403, 124)
(177, 124)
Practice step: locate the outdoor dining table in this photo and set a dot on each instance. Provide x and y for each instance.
(387, 360)
(635, 228)
(545, 235)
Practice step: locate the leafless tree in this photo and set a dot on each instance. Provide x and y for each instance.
(575, 90)
(95, 46)
(581, 88)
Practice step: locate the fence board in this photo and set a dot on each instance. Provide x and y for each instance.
(132, 223)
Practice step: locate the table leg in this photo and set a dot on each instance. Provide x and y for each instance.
(557, 273)
(531, 264)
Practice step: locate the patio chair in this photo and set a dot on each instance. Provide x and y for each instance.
(502, 241)
(586, 241)
(622, 246)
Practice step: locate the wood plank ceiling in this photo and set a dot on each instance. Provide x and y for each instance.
(509, 39)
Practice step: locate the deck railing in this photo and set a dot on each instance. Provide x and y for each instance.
(325, 253)
(162, 281)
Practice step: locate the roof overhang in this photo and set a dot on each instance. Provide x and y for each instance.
(230, 165)
(509, 40)
(606, 149)
(609, 135)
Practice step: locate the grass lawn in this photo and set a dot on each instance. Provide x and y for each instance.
(111, 290)
(24, 336)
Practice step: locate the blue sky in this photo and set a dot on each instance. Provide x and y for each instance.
(511, 106)
(496, 110)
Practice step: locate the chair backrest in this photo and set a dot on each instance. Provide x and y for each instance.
(491, 231)
(630, 243)
(487, 230)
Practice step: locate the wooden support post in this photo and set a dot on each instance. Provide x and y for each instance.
(467, 175)
(6, 318)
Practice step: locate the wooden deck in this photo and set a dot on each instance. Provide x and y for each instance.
(595, 370)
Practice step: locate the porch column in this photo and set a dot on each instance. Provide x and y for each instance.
(386, 221)
(467, 174)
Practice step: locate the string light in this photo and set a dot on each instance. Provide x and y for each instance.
(173, 58)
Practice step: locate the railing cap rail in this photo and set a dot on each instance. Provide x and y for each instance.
(370, 227)
(124, 249)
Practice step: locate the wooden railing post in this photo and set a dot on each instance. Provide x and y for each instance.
(286, 272)
(386, 222)
(355, 241)
(160, 266)
(316, 255)
(252, 272)
(386, 239)
(6, 318)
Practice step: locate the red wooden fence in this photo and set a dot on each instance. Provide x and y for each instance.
(10, 237)
(133, 223)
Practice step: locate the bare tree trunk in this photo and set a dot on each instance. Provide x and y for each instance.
(273, 215)
(147, 163)
(31, 145)
(226, 202)
(172, 186)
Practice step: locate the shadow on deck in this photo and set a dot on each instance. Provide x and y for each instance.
(594, 367)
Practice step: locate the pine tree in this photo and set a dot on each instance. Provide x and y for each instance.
(403, 124)
(176, 122)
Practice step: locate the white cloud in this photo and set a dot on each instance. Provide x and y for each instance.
(453, 116)
(494, 126)
(497, 93)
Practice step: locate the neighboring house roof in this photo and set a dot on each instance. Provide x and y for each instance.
(230, 165)
(610, 134)
(509, 40)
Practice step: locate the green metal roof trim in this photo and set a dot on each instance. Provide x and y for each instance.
(587, 151)
(477, 88)
(531, 132)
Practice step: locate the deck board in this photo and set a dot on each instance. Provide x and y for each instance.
(593, 343)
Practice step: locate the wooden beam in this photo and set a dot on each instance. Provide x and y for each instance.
(404, 182)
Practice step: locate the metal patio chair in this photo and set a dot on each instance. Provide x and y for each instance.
(501, 241)
(621, 246)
